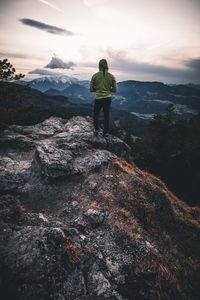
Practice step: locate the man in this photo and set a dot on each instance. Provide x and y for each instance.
(103, 83)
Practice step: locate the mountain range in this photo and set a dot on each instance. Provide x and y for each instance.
(143, 99)
(58, 82)
(60, 106)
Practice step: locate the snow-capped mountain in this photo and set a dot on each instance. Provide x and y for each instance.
(58, 82)
(56, 78)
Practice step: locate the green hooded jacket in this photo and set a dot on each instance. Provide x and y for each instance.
(103, 82)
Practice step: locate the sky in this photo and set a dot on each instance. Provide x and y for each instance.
(147, 40)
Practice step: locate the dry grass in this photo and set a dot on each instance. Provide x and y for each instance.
(93, 205)
(143, 206)
(124, 166)
(70, 254)
(105, 196)
(13, 213)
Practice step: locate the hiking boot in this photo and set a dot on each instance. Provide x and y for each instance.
(96, 132)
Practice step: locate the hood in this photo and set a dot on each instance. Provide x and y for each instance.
(103, 64)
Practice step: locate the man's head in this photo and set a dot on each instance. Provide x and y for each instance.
(103, 65)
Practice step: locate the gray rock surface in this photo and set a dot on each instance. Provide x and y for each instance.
(95, 217)
(77, 221)
(37, 167)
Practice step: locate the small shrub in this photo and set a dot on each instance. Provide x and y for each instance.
(13, 213)
(70, 254)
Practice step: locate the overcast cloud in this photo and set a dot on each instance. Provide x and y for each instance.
(45, 27)
(44, 72)
(154, 40)
(190, 69)
(57, 63)
(194, 65)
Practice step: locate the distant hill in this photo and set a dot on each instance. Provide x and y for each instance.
(196, 86)
(154, 97)
(192, 85)
(53, 92)
(143, 99)
(75, 92)
(60, 106)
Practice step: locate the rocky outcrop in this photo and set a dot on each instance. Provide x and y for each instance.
(56, 148)
(79, 220)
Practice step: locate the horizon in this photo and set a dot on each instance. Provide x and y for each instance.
(153, 81)
(49, 38)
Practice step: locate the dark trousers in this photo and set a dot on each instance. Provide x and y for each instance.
(98, 104)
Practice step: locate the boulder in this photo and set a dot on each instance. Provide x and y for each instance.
(95, 217)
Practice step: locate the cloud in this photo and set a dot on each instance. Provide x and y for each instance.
(57, 63)
(189, 72)
(194, 64)
(5, 53)
(14, 54)
(44, 72)
(50, 4)
(45, 27)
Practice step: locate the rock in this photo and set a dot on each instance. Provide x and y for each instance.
(108, 176)
(17, 141)
(35, 218)
(42, 217)
(92, 185)
(36, 248)
(78, 222)
(97, 283)
(53, 162)
(13, 174)
(57, 154)
(41, 130)
(8, 201)
(24, 252)
(117, 146)
(112, 144)
(75, 204)
(74, 286)
(95, 217)
(92, 161)
(86, 297)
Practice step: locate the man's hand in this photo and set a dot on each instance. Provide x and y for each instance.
(92, 85)
(113, 86)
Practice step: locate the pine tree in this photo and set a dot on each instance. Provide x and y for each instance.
(10, 97)
(7, 71)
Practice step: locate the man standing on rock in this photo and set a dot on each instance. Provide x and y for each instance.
(103, 83)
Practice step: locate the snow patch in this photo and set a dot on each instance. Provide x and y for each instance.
(143, 116)
(162, 101)
(118, 98)
(117, 123)
(56, 78)
(183, 109)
